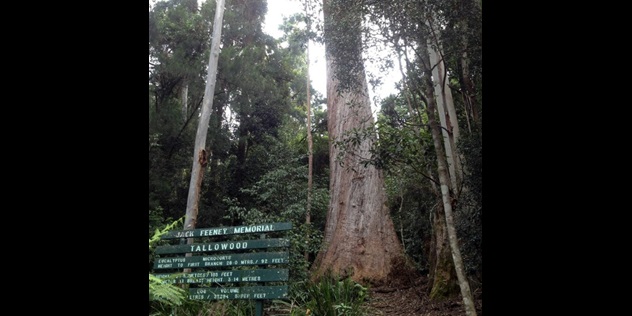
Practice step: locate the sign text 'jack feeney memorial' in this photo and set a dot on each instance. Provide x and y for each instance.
(223, 258)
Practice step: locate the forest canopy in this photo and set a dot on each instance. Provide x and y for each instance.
(337, 165)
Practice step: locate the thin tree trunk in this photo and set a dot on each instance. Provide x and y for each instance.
(445, 105)
(200, 154)
(184, 97)
(469, 92)
(446, 196)
(308, 212)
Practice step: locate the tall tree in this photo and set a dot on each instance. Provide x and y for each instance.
(200, 152)
(179, 38)
(447, 195)
(419, 27)
(360, 240)
(310, 154)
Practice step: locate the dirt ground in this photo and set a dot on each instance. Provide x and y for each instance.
(412, 300)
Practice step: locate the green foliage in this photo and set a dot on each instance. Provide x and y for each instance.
(160, 232)
(164, 294)
(468, 216)
(331, 296)
(207, 308)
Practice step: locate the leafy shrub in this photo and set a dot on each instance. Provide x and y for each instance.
(331, 296)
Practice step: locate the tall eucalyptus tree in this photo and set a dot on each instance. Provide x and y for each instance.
(416, 28)
(360, 240)
(201, 152)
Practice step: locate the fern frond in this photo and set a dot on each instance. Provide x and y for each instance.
(156, 237)
(165, 293)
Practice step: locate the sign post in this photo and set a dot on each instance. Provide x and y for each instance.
(236, 264)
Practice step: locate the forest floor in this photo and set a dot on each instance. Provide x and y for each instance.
(412, 300)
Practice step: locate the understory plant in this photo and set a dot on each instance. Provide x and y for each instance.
(333, 296)
(163, 294)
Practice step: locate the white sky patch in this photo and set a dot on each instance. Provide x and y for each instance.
(279, 9)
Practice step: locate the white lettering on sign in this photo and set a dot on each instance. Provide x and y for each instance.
(203, 274)
(227, 273)
(220, 296)
(218, 246)
(247, 262)
(251, 278)
(196, 297)
(247, 295)
(171, 260)
(253, 229)
(184, 234)
(230, 290)
(276, 260)
(214, 232)
(260, 295)
(213, 258)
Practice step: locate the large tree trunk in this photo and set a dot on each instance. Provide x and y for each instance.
(442, 276)
(360, 240)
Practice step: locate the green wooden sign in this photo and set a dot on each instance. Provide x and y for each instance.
(223, 246)
(226, 276)
(236, 293)
(223, 260)
(231, 230)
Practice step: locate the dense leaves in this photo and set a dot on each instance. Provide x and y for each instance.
(257, 136)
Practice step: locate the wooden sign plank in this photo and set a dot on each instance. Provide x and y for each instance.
(222, 260)
(223, 246)
(227, 276)
(231, 230)
(235, 293)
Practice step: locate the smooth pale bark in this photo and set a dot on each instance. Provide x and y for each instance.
(308, 209)
(445, 105)
(184, 97)
(446, 196)
(200, 153)
(308, 212)
(360, 240)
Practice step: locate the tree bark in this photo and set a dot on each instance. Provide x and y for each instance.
(447, 114)
(184, 97)
(200, 154)
(446, 195)
(308, 213)
(360, 240)
(308, 104)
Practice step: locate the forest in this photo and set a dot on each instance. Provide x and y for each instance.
(384, 195)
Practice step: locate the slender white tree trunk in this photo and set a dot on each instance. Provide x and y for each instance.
(308, 213)
(200, 154)
(445, 185)
(447, 112)
(184, 97)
